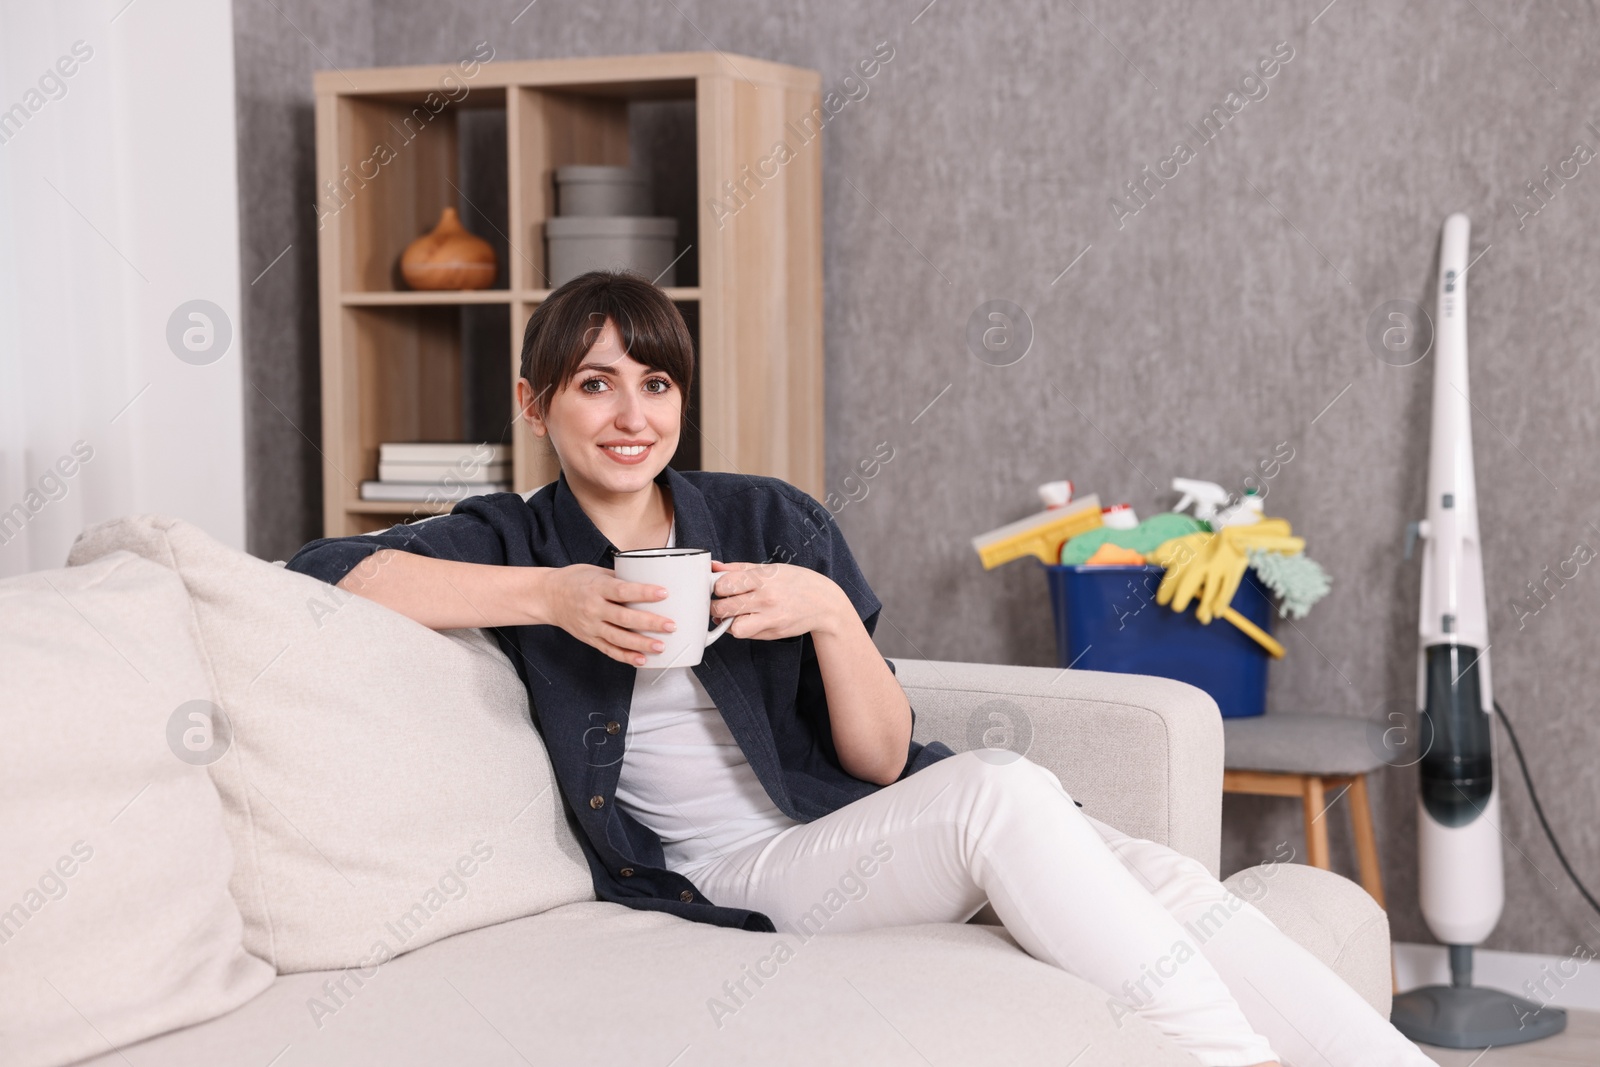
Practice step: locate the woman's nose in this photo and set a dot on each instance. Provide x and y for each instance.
(630, 412)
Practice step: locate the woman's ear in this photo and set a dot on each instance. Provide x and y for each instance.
(527, 410)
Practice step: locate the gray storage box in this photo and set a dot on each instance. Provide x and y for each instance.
(594, 190)
(580, 243)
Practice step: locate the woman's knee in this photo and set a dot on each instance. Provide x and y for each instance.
(1180, 882)
(998, 770)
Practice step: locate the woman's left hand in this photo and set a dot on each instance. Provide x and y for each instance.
(776, 600)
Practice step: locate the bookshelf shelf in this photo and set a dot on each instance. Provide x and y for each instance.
(680, 293)
(422, 299)
(396, 507)
(478, 296)
(397, 145)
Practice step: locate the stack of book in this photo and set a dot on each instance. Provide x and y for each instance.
(439, 471)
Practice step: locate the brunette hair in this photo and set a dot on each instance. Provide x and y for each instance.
(564, 327)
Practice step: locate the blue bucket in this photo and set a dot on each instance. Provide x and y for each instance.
(1107, 619)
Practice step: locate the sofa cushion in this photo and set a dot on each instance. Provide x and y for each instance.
(384, 786)
(600, 983)
(115, 917)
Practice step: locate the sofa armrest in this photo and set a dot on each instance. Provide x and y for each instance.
(1143, 754)
(1331, 917)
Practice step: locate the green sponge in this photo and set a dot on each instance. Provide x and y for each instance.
(1298, 580)
(1144, 538)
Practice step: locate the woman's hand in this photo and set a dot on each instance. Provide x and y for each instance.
(590, 603)
(776, 600)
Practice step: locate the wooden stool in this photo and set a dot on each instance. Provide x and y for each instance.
(1314, 792)
(1316, 758)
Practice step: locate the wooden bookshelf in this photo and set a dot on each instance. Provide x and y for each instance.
(400, 365)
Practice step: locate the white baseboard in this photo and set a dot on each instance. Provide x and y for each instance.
(1571, 981)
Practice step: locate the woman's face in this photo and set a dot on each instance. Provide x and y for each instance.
(615, 424)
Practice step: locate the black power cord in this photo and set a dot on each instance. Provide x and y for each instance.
(1539, 810)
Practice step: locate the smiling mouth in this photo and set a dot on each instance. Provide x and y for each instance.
(626, 453)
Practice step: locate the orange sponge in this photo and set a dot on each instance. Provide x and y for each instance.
(1109, 554)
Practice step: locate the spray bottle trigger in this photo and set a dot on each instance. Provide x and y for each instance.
(1411, 536)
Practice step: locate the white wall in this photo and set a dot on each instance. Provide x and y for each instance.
(118, 204)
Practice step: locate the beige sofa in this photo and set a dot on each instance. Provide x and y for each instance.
(361, 857)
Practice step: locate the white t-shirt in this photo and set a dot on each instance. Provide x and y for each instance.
(683, 774)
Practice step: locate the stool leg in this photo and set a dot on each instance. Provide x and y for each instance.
(1316, 829)
(1366, 840)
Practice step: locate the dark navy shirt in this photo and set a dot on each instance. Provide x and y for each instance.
(769, 692)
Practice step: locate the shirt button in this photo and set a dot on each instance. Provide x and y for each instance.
(596, 801)
(626, 872)
(613, 727)
(686, 896)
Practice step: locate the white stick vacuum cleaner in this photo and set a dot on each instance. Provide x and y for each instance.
(1458, 815)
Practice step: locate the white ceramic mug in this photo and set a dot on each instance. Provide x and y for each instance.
(688, 578)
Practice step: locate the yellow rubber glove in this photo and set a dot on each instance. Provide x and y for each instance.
(1208, 567)
(1185, 560)
(1226, 564)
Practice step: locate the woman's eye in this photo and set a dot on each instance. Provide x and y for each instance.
(664, 383)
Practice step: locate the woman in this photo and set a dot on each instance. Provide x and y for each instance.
(745, 788)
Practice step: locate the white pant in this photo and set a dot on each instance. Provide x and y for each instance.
(1123, 913)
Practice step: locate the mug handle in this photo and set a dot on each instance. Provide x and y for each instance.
(723, 628)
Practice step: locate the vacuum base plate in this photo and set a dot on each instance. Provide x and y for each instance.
(1473, 1017)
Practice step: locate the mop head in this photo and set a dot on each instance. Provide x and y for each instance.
(1298, 580)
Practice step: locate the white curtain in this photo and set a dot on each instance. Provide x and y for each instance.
(119, 393)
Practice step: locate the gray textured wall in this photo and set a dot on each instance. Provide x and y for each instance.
(277, 48)
(1192, 339)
